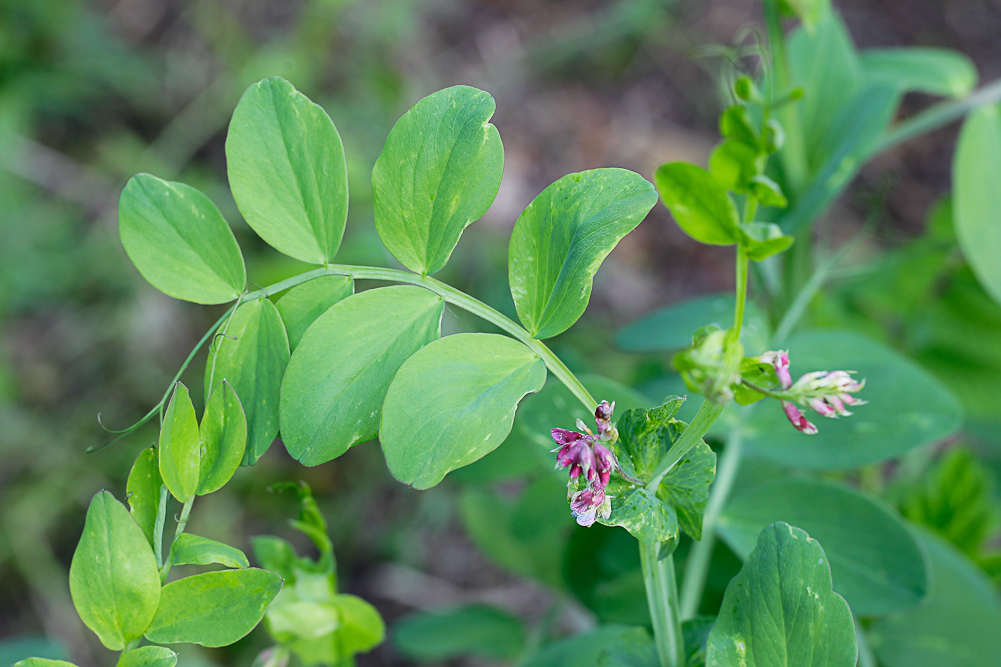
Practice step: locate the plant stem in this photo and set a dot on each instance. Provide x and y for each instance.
(161, 518)
(215, 357)
(182, 521)
(452, 296)
(662, 596)
(866, 658)
(707, 415)
(697, 566)
(738, 315)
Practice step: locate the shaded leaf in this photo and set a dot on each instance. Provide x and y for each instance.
(191, 549)
(477, 630)
(301, 305)
(143, 490)
(926, 70)
(148, 656)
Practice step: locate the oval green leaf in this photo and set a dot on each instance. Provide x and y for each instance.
(332, 393)
(361, 627)
(560, 240)
(148, 656)
(956, 625)
(439, 171)
(925, 70)
(780, 611)
(42, 662)
(301, 305)
(876, 562)
(453, 402)
(698, 202)
(143, 490)
(223, 438)
(252, 356)
(644, 515)
(908, 407)
(114, 580)
(179, 241)
(287, 171)
(180, 448)
(191, 549)
(213, 609)
(976, 173)
(475, 630)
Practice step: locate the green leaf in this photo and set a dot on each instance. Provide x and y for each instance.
(191, 549)
(275, 554)
(908, 408)
(602, 569)
(290, 618)
(223, 437)
(734, 164)
(560, 240)
(698, 203)
(476, 630)
(977, 199)
(143, 490)
(763, 239)
(179, 241)
(148, 656)
(361, 627)
(633, 648)
(301, 305)
(252, 356)
(287, 171)
(926, 70)
(337, 379)
(180, 448)
(876, 562)
(780, 610)
(734, 123)
(695, 632)
(439, 171)
(646, 517)
(114, 580)
(768, 192)
(42, 662)
(580, 650)
(213, 609)
(686, 487)
(956, 625)
(669, 329)
(453, 402)
(810, 12)
(645, 436)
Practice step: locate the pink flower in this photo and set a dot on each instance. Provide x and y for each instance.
(588, 504)
(779, 359)
(797, 419)
(588, 457)
(603, 416)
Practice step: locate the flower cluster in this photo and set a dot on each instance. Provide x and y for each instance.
(591, 463)
(825, 392)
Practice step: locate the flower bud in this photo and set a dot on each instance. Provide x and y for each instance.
(797, 419)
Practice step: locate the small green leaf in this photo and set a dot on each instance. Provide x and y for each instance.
(301, 305)
(42, 662)
(114, 580)
(148, 656)
(810, 12)
(223, 438)
(454, 402)
(670, 328)
(761, 240)
(926, 70)
(582, 649)
(876, 562)
(143, 488)
(361, 627)
(439, 171)
(633, 648)
(734, 164)
(252, 356)
(768, 192)
(291, 618)
(646, 517)
(977, 201)
(686, 487)
(476, 630)
(275, 554)
(287, 171)
(191, 549)
(337, 379)
(213, 609)
(698, 202)
(957, 623)
(180, 449)
(563, 236)
(780, 610)
(179, 241)
(908, 407)
(734, 123)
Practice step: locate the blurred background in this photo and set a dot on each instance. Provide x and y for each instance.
(92, 92)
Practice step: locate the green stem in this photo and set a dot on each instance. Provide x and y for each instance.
(793, 155)
(662, 596)
(697, 565)
(738, 315)
(182, 521)
(215, 357)
(707, 415)
(161, 518)
(450, 295)
(866, 658)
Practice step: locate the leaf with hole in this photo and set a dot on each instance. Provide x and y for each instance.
(251, 353)
(114, 580)
(179, 241)
(439, 171)
(453, 402)
(287, 171)
(561, 239)
(337, 379)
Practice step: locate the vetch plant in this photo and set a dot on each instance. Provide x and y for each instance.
(326, 368)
